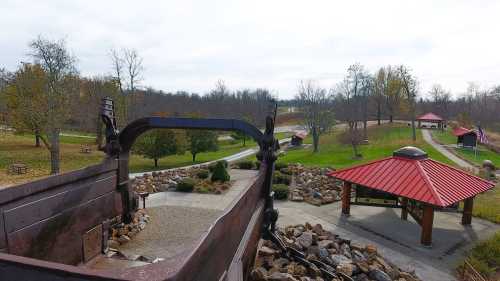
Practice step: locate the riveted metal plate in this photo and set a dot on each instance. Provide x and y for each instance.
(92, 243)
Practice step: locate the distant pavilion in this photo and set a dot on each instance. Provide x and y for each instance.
(431, 118)
(413, 182)
(465, 137)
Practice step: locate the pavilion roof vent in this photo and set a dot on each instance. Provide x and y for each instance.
(410, 152)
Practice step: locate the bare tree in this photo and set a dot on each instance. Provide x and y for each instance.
(378, 92)
(410, 87)
(60, 71)
(351, 88)
(316, 105)
(392, 91)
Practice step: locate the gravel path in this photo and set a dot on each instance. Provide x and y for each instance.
(426, 134)
(173, 230)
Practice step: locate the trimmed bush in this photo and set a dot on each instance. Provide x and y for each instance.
(186, 185)
(280, 165)
(202, 174)
(220, 173)
(279, 178)
(280, 191)
(257, 165)
(212, 166)
(247, 165)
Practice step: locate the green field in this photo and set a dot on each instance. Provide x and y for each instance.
(21, 149)
(383, 141)
(468, 154)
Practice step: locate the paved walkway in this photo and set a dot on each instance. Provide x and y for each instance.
(426, 134)
(396, 240)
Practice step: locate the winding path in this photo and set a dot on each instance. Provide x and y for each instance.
(426, 134)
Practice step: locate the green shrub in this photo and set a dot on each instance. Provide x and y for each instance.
(280, 165)
(485, 256)
(257, 165)
(280, 191)
(220, 173)
(247, 165)
(211, 167)
(279, 178)
(225, 163)
(202, 174)
(186, 185)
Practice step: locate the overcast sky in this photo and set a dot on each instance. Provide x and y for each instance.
(189, 45)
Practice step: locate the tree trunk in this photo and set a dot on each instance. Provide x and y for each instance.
(244, 140)
(194, 156)
(379, 114)
(99, 136)
(365, 130)
(315, 139)
(390, 118)
(37, 138)
(54, 151)
(156, 162)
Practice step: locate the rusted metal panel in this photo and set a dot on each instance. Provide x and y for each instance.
(32, 212)
(92, 243)
(43, 185)
(59, 238)
(3, 239)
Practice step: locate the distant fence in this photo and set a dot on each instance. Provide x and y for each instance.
(468, 273)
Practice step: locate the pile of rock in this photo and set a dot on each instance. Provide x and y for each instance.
(122, 233)
(348, 260)
(161, 181)
(312, 185)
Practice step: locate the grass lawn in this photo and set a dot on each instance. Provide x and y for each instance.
(468, 154)
(383, 141)
(21, 149)
(486, 205)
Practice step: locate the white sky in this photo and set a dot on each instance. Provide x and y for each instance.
(189, 45)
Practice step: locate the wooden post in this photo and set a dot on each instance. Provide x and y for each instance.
(346, 198)
(427, 220)
(467, 212)
(404, 210)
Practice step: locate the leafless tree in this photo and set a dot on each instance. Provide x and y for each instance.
(60, 70)
(316, 105)
(352, 88)
(410, 88)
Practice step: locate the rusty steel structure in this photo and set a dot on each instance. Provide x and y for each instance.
(45, 224)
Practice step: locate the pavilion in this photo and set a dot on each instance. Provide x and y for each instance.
(431, 118)
(465, 137)
(413, 182)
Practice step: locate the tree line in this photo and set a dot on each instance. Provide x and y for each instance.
(48, 95)
(392, 92)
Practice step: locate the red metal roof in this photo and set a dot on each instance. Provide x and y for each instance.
(430, 117)
(460, 131)
(424, 180)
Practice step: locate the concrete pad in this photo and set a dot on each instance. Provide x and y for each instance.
(396, 240)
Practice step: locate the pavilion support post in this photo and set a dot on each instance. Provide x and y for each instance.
(427, 221)
(467, 212)
(346, 198)
(404, 208)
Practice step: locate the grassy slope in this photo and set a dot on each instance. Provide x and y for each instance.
(383, 141)
(483, 153)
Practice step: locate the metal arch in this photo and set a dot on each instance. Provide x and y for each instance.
(129, 134)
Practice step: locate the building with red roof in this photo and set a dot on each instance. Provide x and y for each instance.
(465, 137)
(431, 118)
(417, 184)
(298, 138)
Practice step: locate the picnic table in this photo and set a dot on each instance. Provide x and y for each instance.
(18, 169)
(85, 149)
